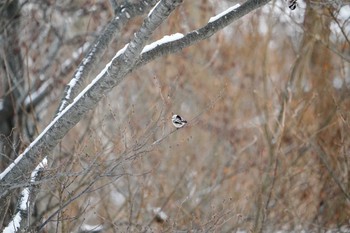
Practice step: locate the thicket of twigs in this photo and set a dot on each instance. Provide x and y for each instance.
(266, 146)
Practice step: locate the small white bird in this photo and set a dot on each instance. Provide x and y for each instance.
(178, 122)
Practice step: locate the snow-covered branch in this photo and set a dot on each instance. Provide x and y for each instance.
(25, 203)
(215, 24)
(112, 75)
(75, 105)
(123, 14)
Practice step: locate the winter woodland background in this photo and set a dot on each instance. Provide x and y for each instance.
(267, 99)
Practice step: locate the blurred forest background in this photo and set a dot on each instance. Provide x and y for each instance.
(267, 100)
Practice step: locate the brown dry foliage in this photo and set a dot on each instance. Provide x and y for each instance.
(259, 153)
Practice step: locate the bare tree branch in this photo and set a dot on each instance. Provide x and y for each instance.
(74, 106)
(112, 75)
(26, 203)
(112, 30)
(200, 34)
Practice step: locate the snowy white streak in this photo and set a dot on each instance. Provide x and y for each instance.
(150, 12)
(165, 39)
(9, 168)
(14, 225)
(79, 72)
(91, 228)
(86, 89)
(216, 17)
(98, 77)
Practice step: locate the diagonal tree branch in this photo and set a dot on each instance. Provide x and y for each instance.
(129, 58)
(124, 14)
(26, 202)
(203, 33)
(19, 171)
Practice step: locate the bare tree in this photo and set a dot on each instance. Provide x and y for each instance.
(266, 101)
(23, 172)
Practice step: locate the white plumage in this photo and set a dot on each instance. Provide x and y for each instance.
(178, 122)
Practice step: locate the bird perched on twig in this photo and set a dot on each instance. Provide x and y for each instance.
(178, 122)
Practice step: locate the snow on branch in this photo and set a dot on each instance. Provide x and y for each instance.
(123, 14)
(111, 32)
(164, 40)
(11, 166)
(151, 11)
(24, 202)
(60, 115)
(112, 75)
(222, 14)
(127, 59)
(88, 63)
(157, 15)
(215, 24)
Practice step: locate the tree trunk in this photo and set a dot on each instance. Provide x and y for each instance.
(11, 88)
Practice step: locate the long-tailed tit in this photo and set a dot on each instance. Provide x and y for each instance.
(178, 122)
